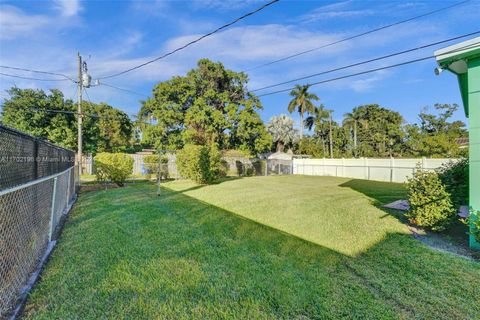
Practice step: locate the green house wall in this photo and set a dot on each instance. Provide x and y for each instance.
(473, 88)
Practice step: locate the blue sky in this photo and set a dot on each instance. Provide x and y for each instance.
(115, 35)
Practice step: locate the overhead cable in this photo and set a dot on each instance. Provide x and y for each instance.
(366, 61)
(192, 42)
(358, 35)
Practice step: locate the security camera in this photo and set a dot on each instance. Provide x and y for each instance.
(438, 70)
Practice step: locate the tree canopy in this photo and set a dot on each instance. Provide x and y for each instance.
(375, 131)
(37, 113)
(283, 132)
(209, 105)
(302, 101)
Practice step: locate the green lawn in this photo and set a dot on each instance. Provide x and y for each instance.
(292, 247)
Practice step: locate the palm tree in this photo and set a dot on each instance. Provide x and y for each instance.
(302, 101)
(330, 133)
(351, 120)
(317, 119)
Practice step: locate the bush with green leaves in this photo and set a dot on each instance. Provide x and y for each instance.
(114, 167)
(202, 164)
(473, 222)
(430, 204)
(454, 176)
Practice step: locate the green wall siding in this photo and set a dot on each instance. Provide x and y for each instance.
(474, 133)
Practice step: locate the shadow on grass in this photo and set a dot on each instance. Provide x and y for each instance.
(177, 257)
(454, 239)
(381, 193)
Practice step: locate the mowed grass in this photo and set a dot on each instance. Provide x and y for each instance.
(291, 247)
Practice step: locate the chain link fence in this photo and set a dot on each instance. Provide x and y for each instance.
(38, 185)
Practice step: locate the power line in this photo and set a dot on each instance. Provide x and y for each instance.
(29, 78)
(357, 35)
(194, 41)
(122, 89)
(38, 71)
(56, 111)
(366, 61)
(475, 45)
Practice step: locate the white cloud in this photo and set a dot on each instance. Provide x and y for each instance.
(16, 23)
(335, 10)
(366, 84)
(223, 4)
(68, 8)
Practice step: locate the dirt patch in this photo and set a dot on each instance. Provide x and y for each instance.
(446, 242)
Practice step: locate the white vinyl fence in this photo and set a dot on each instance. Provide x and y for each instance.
(390, 170)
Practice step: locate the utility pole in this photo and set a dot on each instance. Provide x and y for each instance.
(79, 112)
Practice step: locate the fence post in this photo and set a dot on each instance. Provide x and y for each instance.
(367, 170)
(52, 213)
(343, 167)
(69, 196)
(392, 169)
(35, 160)
(424, 163)
(323, 166)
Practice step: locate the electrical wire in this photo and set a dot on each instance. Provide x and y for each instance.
(475, 45)
(29, 78)
(38, 71)
(49, 110)
(122, 89)
(366, 61)
(193, 41)
(357, 35)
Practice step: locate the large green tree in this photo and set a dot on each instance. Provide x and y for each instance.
(436, 134)
(302, 101)
(210, 104)
(51, 117)
(380, 132)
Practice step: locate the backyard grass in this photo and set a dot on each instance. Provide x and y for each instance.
(292, 247)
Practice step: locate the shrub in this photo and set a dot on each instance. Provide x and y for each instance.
(200, 163)
(217, 169)
(430, 203)
(474, 221)
(114, 167)
(259, 166)
(454, 176)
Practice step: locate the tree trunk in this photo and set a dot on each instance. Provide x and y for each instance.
(301, 125)
(323, 145)
(280, 146)
(355, 138)
(331, 141)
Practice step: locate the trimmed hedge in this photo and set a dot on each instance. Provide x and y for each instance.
(114, 167)
(200, 163)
